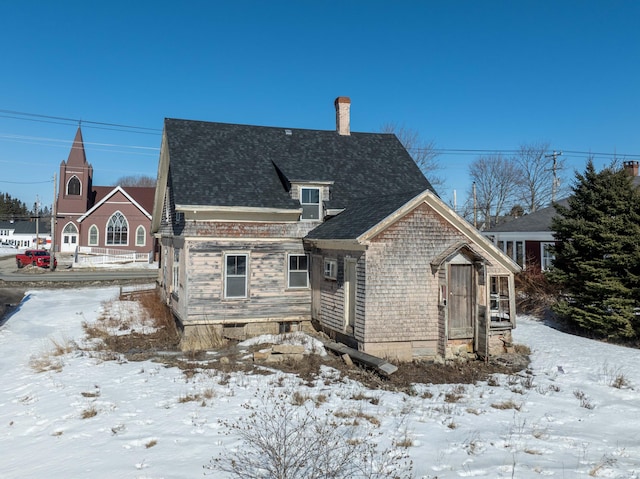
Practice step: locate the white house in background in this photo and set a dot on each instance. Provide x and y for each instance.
(26, 234)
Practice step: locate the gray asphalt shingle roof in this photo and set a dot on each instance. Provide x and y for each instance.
(539, 220)
(220, 164)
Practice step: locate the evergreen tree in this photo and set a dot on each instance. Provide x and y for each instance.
(12, 208)
(597, 254)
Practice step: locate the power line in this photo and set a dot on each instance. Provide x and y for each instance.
(470, 151)
(79, 121)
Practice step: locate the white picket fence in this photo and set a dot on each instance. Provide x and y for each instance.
(88, 255)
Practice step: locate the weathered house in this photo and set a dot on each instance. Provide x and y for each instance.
(266, 230)
(106, 217)
(528, 240)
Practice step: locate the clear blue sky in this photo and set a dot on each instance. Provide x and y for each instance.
(467, 75)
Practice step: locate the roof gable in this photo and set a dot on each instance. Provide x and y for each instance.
(111, 194)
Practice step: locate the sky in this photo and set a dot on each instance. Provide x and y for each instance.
(66, 411)
(474, 78)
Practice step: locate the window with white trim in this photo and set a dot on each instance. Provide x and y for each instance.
(298, 271)
(547, 257)
(331, 269)
(310, 201)
(117, 230)
(73, 186)
(93, 235)
(235, 275)
(141, 236)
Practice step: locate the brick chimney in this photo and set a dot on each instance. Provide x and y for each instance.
(631, 167)
(343, 120)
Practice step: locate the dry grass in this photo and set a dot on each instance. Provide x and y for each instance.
(356, 416)
(136, 345)
(151, 443)
(132, 345)
(51, 360)
(90, 412)
(507, 405)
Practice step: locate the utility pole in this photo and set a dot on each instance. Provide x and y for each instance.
(556, 181)
(52, 253)
(37, 222)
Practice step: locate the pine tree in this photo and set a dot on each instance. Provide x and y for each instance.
(597, 254)
(12, 208)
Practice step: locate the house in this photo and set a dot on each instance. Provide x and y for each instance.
(106, 217)
(528, 240)
(268, 230)
(26, 234)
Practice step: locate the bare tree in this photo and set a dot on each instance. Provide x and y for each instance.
(497, 182)
(283, 440)
(139, 180)
(423, 152)
(537, 176)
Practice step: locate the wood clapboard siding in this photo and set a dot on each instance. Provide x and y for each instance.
(268, 296)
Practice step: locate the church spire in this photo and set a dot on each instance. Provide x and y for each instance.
(77, 156)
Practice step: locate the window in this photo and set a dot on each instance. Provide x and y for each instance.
(117, 230)
(499, 298)
(331, 269)
(235, 276)
(141, 236)
(93, 235)
(310, 201)
(519, 253)
(547, 256)
(298, 271)
(176, 270)
(73, 186)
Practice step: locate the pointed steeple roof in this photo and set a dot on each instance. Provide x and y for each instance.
(77, 156)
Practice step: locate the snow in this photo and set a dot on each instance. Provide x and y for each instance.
(561, 418)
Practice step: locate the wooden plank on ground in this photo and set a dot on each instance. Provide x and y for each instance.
(379, 364)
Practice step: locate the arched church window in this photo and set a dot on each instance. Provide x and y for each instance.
(117, 229)
(73, 186)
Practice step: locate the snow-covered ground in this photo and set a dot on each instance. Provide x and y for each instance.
(88, 417)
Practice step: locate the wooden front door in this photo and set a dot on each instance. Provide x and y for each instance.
(461, 301)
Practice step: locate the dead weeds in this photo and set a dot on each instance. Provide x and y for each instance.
(161, 344)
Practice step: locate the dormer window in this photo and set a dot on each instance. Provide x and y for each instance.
(310, 201)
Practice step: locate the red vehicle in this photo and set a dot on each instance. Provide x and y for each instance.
(35, 257)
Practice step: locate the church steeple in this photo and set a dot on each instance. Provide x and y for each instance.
(76, 178)
(77, 156)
